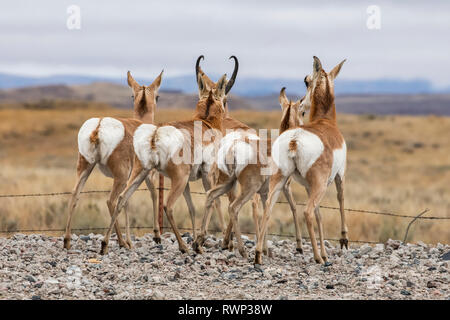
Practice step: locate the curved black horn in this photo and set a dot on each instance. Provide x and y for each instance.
(197, 66)
(233, 76)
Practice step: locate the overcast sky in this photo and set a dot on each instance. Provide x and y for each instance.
(270, 38)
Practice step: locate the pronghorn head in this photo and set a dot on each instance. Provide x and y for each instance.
(293, 112)
(199, 72)
(210, 106)
(320, 91)
(144, 98)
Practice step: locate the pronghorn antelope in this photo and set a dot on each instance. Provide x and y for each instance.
(228, 123)
(108, 142)
(314, 154)
(242, 159)
(172, 149)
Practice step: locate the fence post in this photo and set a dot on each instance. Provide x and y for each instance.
(161, 203)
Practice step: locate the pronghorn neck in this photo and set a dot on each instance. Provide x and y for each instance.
(322, 104)
(144, 112)
(208, 111)
(289, 120)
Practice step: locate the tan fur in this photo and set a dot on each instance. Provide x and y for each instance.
(253, 183)
(120, 162)
(320, 91)
(209, 112)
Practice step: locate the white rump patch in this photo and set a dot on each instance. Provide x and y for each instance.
(168, 141)
(235, 154)
(85, 147)
(339, 160)
(309, 149)
(141, 144)
(110, 134)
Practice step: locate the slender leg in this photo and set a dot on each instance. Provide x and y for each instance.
(316, 191)
(255, 213)
(323, 252)
(298, 233)
(137, 177)
(152, 189)
(84, 169)
(127, 227)
(212, 194)
(206, 180)
(234, 208)
(119, 185)
(265, 246)
(190, 204)
(277, 182)
(340, 196)
(179, 182)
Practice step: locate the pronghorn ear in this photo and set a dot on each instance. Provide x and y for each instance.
(221, 85)
(157, 82)
(203, 87)
(333, 73)
(283, 99)
(317, 66)
(131, 82)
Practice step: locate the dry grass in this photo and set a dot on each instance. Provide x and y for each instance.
(395, 163)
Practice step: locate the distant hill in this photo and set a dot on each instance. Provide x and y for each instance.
(244, 86)
(120, 96)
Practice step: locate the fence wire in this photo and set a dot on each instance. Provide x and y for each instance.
(51, 194)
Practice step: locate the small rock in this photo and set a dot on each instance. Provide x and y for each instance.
(30, 278)
(85, 238)
(209, 243)
(432, 284)
(330, 286)
(405, 292)
(157, 295)
(365, 249)
(36, 297)
(394, 244)
(446, 256)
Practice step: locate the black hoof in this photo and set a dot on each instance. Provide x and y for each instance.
(344, 242)
(157, 240)
(66, 243)
(299, 250)
(104, 249)
(258, 260)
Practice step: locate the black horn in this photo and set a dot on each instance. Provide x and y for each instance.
(197, 66)
(233, 76)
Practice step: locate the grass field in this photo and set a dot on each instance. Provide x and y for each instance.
(395, 163)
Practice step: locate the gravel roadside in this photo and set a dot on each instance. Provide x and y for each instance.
(36, 267)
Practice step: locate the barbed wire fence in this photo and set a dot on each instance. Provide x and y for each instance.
(413, 218)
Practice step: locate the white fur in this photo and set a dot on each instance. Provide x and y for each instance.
(309, 149)
(339, 160)
(168, 141)
(236, 152)
(209, 156)
(141, 144)
(110, 134)
(85, 147)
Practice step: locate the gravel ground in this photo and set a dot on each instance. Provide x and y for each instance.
(36, 267)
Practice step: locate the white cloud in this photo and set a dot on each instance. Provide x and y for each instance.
(271, 39)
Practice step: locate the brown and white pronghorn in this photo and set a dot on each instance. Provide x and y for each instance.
(244, 158)
(173, 148)
(108, 142)
(314, 155)
(229, 123)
